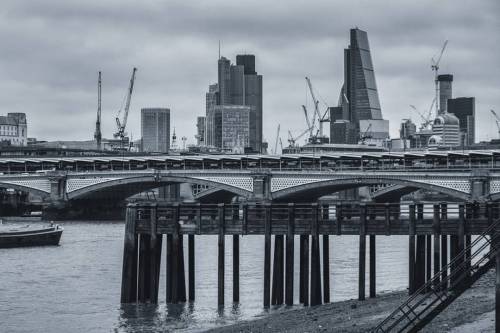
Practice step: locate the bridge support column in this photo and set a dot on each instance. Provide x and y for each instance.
(315, 259)
(412, 266)
(221, 250)
(362, 253)
(304, 270)
(436, 230)
(261, 187)
(497, 286)
(175, 261)
(277, 288)
(420, 252)
(129, 271)
(267, 255)
(289, 256)
(326, 257)
(191, 266)
(428, 259)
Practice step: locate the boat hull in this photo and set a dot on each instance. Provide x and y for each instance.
(33, 238)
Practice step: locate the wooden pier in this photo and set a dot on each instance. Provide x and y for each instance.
(429, 229)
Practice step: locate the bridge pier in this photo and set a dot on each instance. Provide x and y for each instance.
(304, 270)
(289, 256)
(278, 275)
(362, 253)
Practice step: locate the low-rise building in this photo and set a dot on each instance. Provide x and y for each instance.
(14, 129)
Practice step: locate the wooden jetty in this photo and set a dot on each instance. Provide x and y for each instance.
(430, 228)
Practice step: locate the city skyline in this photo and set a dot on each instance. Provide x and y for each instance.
(59, 80)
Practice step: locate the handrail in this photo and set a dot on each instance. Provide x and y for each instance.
(458, 266)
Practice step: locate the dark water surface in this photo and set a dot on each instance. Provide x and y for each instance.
(75, 287)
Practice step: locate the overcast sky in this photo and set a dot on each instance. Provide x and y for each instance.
(51, 52)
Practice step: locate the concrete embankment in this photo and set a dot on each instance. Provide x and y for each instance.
(471, 312)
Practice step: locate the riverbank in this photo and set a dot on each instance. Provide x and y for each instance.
(472, 311)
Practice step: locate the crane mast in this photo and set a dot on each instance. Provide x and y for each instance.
(121, 124)
(435, 68)
(497, 120)
(316, 110)
(97, 133)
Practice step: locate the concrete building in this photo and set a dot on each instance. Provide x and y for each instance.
(464, 108)
(240, 85)
(445, 131)
(407, 129)
(235, 136)
(445, 91)
(343, 132)
(14, 129)
(211, 98)
(200, 131)
(155, 129)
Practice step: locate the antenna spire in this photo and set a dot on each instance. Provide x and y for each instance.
(219, 49)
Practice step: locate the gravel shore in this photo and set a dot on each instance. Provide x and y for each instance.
(471, 312)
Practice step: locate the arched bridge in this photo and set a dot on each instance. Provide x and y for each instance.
(254, 184)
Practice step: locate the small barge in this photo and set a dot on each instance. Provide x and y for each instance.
(27, 235)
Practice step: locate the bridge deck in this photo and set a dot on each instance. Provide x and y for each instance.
(248, 219)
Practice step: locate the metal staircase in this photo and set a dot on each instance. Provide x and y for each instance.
(421, 307)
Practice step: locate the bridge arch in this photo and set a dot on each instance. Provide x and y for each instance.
(315, 189)
(133, 185)
(42, 191)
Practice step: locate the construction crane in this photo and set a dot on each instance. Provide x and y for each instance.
(365, 135)
(435, 69)
(292, 140)
(97, 133)
(497, 119)
(281, 145)
(427, 119)
(276, 141)
(316, 110)
(121, 124)
(308, 122)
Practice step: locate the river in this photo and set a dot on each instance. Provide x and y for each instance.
(75, 287)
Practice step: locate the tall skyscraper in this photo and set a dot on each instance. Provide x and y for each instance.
(155, 129)
(200, 131)
(445, 91)
(235, 128)
(241, 85)
(464, 108)
(359, 96)
(211, 98)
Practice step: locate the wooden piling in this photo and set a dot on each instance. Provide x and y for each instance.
(325, 216)
(428, 259)
(444, 249)
(144, 278)
(304, 269)
(362, 253)
(129, 270)
(169, 272)
(373, 266)
(289, 256)
(221, 243)
(154, 258)
(191, 266)
(436, 230)
(277, 286)
(267, 254)
(497, 288)
(315, 258)
(420, 251)
(175, 283)
(411, 248)
(326, 269)
(182, 275)
(236, 268)
(461, 239)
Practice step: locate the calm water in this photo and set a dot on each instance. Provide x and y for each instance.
(76, 286)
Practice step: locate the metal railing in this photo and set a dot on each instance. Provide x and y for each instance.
(421, 307)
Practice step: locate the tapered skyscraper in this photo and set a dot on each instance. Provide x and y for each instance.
(359, 99)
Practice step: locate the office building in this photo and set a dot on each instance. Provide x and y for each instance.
(407, 129)
(359, 99)
(445, 131)
(155, 129)
(200, 131)
(14, 129)
(445, 91)
(241, 85)
(464, 108)
(211, 99)
(235, 136)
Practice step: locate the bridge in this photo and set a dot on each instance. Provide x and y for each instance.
(463, 175)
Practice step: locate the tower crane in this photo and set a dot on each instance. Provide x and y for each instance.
(121, 124)
(316, 110)
(427, 119)
(497, 120)
(97, 133)
(435, 69)
(365, 135)
(308, 121)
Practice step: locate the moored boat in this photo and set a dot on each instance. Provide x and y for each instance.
(12, 235)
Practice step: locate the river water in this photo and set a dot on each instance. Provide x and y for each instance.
(75, 287)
